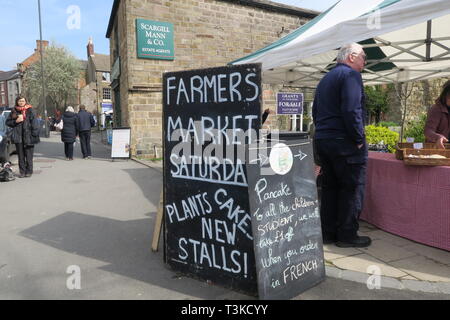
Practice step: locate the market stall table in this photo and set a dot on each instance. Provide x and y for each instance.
(409, 201)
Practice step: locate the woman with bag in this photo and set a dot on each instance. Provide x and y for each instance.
(24, 134)
(69, 131)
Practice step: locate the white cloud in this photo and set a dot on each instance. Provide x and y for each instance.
(11, 55)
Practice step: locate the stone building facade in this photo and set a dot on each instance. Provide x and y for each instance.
(10, 87)
(207, 33)
(14, 85)
(96, 95)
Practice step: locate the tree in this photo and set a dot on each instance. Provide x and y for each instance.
(61, 74)
(377, 101)
(403, 91)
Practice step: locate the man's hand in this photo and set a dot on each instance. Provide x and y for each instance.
(268, 111)
(360, 145)
(440, 142)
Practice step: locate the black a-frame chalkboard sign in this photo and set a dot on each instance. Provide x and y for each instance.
(251, 225)
(209, 117)
(285, 218)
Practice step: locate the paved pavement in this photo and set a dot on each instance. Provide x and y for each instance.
(402, 263)
(98, 216)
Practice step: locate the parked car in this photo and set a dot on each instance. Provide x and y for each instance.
(4, 110)
(6, 147)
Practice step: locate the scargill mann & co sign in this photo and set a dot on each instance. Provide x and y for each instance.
(154, 40)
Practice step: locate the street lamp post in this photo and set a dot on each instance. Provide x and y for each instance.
(42, 73)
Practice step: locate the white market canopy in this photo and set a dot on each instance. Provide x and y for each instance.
(405, 40)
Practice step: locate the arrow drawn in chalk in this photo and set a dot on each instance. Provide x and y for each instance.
(301, 155)
(262, 160)
(258, 216)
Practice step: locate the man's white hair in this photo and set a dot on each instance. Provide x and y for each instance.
(347, 50)
(70, 109)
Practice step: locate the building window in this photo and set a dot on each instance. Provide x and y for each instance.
(106, 77)
(3, 100)
(106, 93)
(2, 86)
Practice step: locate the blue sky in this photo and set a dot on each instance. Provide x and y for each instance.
(19, 35)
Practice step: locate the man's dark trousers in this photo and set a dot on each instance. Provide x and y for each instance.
(85, 141)
(344, 173)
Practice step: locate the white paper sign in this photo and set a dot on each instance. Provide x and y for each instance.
(410, 140)
(121, 143)
(418, 145)
(281, 159)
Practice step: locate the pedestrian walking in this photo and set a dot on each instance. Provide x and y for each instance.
(69, 131)
(25, 134)
(338, 113)
(85, 122)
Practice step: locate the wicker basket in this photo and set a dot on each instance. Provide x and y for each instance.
(408, 145)
(426, 161)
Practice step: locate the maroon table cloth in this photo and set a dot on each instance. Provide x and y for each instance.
(410, 201)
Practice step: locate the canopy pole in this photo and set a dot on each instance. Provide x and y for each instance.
(428, 41)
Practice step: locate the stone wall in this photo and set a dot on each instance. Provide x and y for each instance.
(122, 31)
(88, 97)
(424, 95)
(101, 85)
(207, 33)
(92, 95)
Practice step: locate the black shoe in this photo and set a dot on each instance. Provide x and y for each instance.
(28, 175)
(21, 175)
(358, 242)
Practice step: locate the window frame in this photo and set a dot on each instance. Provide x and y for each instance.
(104, 96)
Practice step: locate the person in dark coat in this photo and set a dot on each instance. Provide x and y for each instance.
(85, 123)
(340, 142)
(69, 131)
(265, 115)
(25, 134)
(437, 126)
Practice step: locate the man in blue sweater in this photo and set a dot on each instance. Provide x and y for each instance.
(340, 143)
(85, 123)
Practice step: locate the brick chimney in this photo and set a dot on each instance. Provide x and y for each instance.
(90, 48)
(38, 45)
